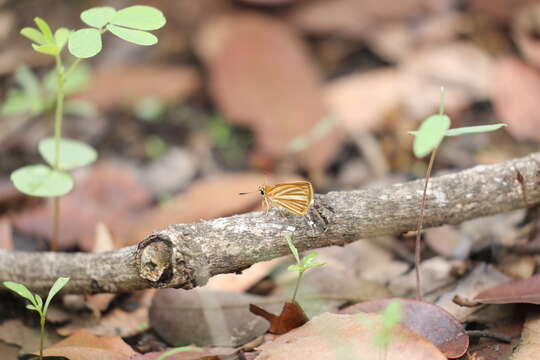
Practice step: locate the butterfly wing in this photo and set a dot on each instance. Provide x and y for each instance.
(295, 197)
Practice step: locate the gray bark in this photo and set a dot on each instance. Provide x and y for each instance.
(187, 255)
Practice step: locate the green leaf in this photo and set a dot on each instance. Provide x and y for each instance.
(474, 129)
(40, 180)
(47, 49)
(139, 17)
(308, 258)
(45, 29)
(294, 251)
(98, 17)
(39, 301)
(77, 80)
(168, 353)
(16, 103)
(61, 37)
(138, 37)
(294, 268)
(32, 307)
(430, 134)
(73, 154)
(20, 290)
(392, 314)
(57, 286)
(85, 43)
(34, 35)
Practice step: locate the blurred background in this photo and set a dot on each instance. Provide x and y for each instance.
(239, 92)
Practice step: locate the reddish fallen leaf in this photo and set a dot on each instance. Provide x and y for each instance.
(205, 199)
(280, 98)
(134, 83)
(27, 338)
(335, 336)
(292, 316)
(109, 193)
(425, 319)
(6, 238)
(84, 346)
(517, 89)
(520, 291)
(205, 354)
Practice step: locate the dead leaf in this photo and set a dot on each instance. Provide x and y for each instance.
(529, 347)
(449, 241)
(205, 354)
(361, 101)
(205, 199)
(425, 319)
(483, 276)
(292, 316)
(117, 322)
(517, 88)
(84, 346)
(500, 10)
(281, 101)
(15, 332)
(6, 238)
(137, 82)
(108, 193)
(330, 336)
(206, 318)
(245, 280)
(9, 352)
(520, 291)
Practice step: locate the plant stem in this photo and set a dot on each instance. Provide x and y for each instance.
(60, 78)
(419, 226)
(297, 285)
(42, 335)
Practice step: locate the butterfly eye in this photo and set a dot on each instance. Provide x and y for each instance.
(261, 191)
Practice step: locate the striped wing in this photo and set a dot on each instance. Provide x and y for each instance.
(295, 197)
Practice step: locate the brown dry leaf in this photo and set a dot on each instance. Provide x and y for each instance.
(15, 332)
(501, 10)
(206, 354)
(6, 238)
(207, 318)
(520, 291)
(448, 241)
(292, 316)
(525, 26)
(84, 346)
(205, 199)
(117, 322)
(529, 347)
(9, 352)
(109, 193)
(361, 101)
(330, 336)
(245, 280)
(262, 77)
(360, 19)
(482, 277)
(137, 82)
(465, 71)
(425, 319)
(517, 89)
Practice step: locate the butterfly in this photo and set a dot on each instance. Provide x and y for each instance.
(295, 197)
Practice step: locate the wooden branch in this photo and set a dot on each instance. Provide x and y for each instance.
(187, 255)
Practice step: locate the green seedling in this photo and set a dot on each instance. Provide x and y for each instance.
(302, 265)
(427, 140)
(63, 155)
(36, 302)
(391, 316)
(177, 350)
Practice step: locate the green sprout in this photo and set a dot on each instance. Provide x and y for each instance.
(302, 265)
(391, 316)
(37, 302)
(171, 352)
(63, 155)
(427, 140)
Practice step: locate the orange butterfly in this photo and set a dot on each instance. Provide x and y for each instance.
(295, 197)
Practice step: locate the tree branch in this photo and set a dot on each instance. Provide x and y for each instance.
(187, 255)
